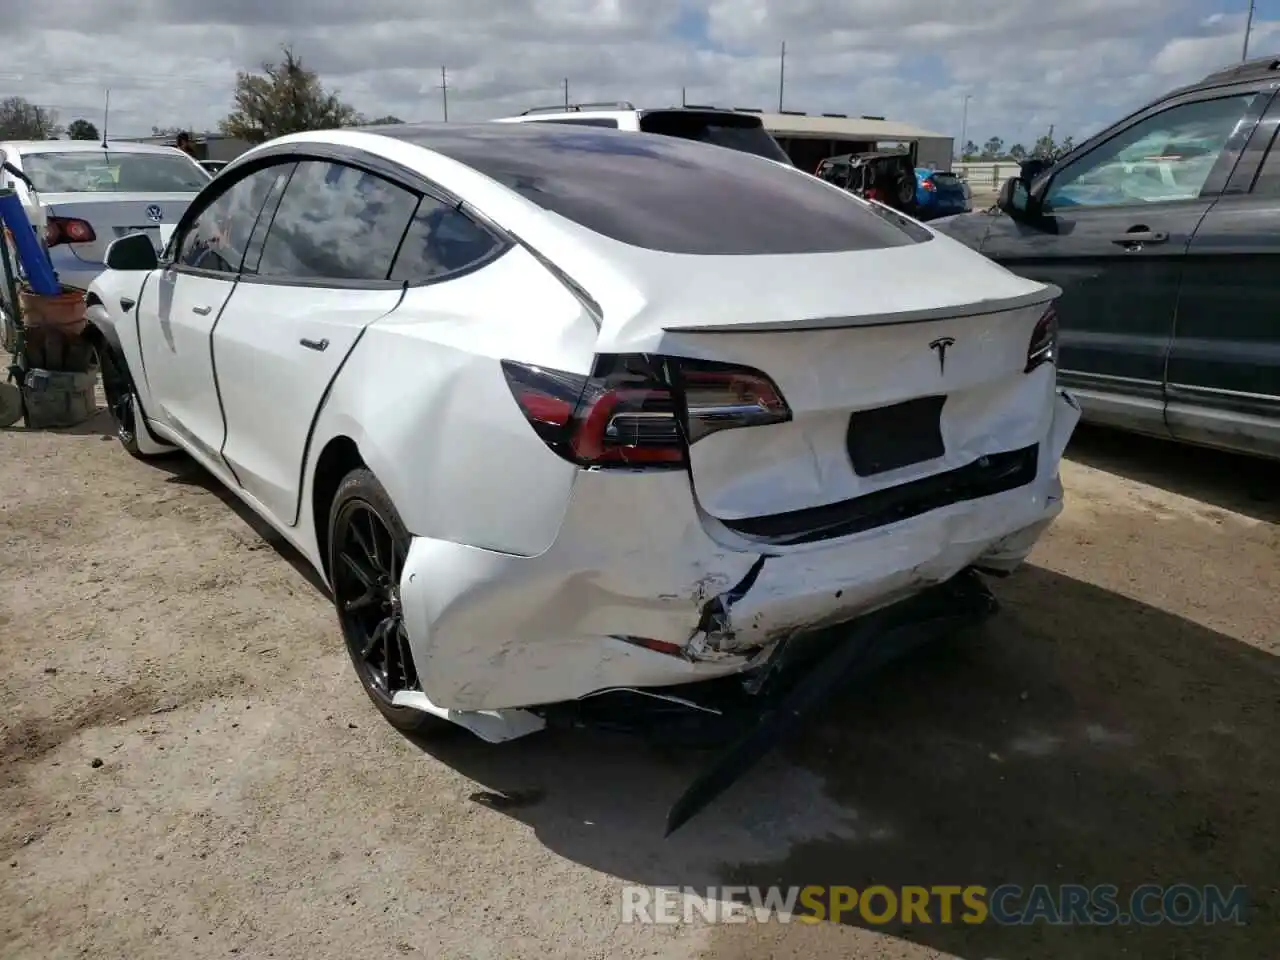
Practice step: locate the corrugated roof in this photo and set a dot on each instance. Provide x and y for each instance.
(849, 128)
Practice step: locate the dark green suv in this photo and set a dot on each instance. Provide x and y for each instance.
(1163, 232)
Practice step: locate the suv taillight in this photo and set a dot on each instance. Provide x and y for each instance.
(1044, 340)
(58, 230)
(929, 186)
(640, 411)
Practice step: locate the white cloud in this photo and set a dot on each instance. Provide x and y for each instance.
(1075, 64)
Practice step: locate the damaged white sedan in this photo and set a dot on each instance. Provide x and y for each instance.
(559, 410)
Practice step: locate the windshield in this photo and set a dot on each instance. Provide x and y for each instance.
(106, 171)
(744, 133)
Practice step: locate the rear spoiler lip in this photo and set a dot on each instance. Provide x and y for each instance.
(1045, 295)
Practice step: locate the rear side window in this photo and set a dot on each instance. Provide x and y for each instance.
(336, 223)
(664, 193)
(441, 240)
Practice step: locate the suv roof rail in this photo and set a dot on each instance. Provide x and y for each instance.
(699, 106)
(748, 109)
(794, 113)
(577, 107)
(1257, 67)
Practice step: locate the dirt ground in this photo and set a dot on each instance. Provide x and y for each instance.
(189, 767)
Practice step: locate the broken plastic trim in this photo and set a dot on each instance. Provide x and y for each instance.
(871, 641)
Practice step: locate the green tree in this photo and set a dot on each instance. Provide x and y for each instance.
(82, 130)
(383, 121)
(970, 151)
(284, 98)
(20, 119)
(1045, 147)
(1065, 147)
(1018, 152)
(992, 148)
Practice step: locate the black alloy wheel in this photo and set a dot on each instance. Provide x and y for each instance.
(368, 544)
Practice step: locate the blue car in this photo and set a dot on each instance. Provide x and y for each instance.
(939, 194)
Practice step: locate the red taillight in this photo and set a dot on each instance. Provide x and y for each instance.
(929, 186)
(872, 193)
(59, 230)
(1044, 340)
(640, 411)
(721, 397)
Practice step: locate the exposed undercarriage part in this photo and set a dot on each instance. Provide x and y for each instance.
(754, 711)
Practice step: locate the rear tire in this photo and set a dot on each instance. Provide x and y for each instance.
(368, 544)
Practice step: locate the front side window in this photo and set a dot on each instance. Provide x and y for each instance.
(1165, 157)
(216, 239)
(113, 171)
(335, 222)
(441, 240)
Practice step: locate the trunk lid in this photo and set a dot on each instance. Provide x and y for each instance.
(897, 365)
(115, 215)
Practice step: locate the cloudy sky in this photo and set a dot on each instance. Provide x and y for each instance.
(1026, 63)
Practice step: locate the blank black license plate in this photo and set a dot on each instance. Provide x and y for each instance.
(888, 438)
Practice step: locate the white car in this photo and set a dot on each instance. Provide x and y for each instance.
(83, 195)
(557, 410)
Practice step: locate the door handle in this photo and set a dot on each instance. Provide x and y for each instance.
(320, 345)
(203, 311)
(1140, 235)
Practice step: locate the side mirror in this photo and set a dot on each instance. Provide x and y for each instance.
(134, 252)
(1015, 197)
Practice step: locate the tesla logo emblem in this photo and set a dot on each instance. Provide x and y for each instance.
(941, 345)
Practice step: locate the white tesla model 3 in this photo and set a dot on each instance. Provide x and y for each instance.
(557, 410)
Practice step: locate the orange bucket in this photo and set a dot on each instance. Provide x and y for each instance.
(64, 312)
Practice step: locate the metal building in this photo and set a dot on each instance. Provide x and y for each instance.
(809, 138)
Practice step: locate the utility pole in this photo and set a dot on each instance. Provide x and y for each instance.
(106, 113)
(444, 93)
(782, 74)
(964, 125)
(683, 100)
(566, 93)
(1248, 28)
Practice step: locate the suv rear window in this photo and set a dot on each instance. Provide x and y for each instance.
(732, 130)
(664, 193)
(581, 121)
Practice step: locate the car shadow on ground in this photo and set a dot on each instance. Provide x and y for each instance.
(1080, 737)
(184, 471)
(1244, 485)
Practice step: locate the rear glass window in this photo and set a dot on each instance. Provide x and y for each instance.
(107, 171)
(746, 134)
(663, 193)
